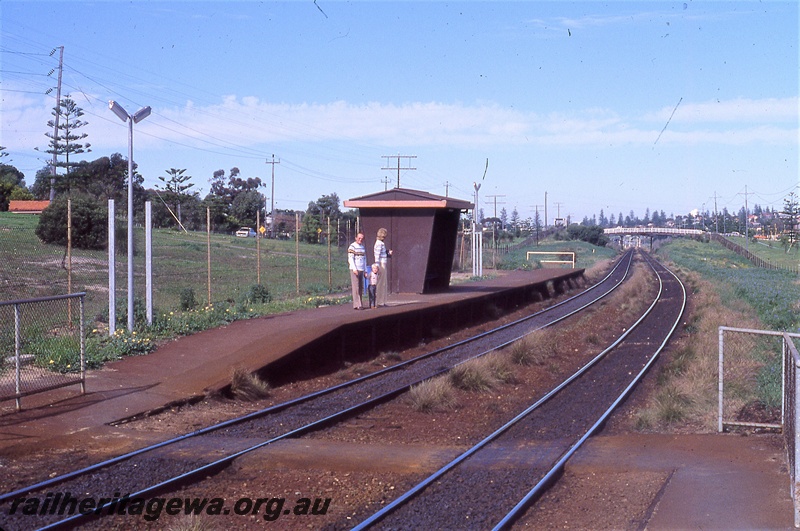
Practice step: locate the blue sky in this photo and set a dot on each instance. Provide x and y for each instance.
(614, 105)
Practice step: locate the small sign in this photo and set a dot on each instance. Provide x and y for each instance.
(262, 229)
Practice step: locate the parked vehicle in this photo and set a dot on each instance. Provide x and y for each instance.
(245, 232)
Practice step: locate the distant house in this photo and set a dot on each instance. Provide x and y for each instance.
(27, 207)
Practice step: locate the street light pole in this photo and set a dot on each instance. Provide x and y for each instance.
(137, 117)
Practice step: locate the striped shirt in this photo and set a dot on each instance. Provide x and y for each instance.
(357, 257)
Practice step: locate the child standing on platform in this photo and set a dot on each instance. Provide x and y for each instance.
(374, 277)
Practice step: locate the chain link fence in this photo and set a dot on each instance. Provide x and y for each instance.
(40, 326)
(42, 345)
(188, 268)
(750, 371)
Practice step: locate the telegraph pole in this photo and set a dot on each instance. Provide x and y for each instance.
(545, 210)
(385, 182)
(558, 210)
(55, 127)
(746, 223)
(398, 157)
(272, 198)
(495, 202)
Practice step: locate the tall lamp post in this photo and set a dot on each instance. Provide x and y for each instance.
(135, 118)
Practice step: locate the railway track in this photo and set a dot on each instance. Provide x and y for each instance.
(477, 490)
(155, 468)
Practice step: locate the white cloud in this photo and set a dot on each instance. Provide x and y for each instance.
(239, 124)
(744, 110)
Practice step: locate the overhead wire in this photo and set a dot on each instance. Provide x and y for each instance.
(171, 97)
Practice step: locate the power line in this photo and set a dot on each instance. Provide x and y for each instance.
(398, 157)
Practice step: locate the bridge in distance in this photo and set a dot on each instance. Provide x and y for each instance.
(653, 231)
(634, 234)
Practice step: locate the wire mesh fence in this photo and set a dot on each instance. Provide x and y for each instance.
(188, 268)
(777, 353)
(749, 369)
(41, 345)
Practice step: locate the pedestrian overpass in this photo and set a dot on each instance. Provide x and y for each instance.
(632, 236)
(653, 231)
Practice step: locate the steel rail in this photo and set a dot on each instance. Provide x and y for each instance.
(523, 504)
(537, 490)
(50, 482)
(365, 405)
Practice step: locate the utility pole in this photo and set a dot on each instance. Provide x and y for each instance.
(398, 157)
(545, 210)
(272, 198)
(447, 188)
(55, 127)
(494, 231)
(558, 210)
(495, 202)
(385, 182)
(746, 223)
(716, 215)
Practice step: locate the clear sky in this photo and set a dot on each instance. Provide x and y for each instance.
(616, 105)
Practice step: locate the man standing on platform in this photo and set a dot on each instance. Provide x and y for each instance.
(357, 261)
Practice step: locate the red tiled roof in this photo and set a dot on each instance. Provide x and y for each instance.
(28, 207)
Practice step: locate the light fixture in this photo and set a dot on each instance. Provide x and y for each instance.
(137, 117)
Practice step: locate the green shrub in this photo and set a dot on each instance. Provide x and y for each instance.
(188, 300)
(89, 223)
(257, 294)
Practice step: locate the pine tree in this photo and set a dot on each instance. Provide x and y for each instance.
(176, 187)
(65, 140)
(791, 211)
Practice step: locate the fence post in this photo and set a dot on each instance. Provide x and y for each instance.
(297, 249)
(208, 251)
(148, 260)
(69, 260)
(83, 347)
(112, 270)
(795, 383)
(17, 354)
(330, 263)
(719, 381)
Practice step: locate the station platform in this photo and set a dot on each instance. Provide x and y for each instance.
(707, 481)
(277, 347)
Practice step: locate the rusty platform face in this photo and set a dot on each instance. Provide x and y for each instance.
(282, 346)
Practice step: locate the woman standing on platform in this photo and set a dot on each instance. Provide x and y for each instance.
(382, 259)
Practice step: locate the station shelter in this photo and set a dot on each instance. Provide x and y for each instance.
(423, 231)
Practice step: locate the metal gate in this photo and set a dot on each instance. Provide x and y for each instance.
(42, 345)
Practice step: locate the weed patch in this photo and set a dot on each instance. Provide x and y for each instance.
(436, 394)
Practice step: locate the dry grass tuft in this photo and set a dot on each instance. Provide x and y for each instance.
(688, 382)
(392, 355)
(598, 270)
(634, 292)
(500, 367)
(436, 394)
(535, 349)
(248, 386)
(473, 375)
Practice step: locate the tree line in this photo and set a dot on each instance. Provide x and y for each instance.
(233, 201)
